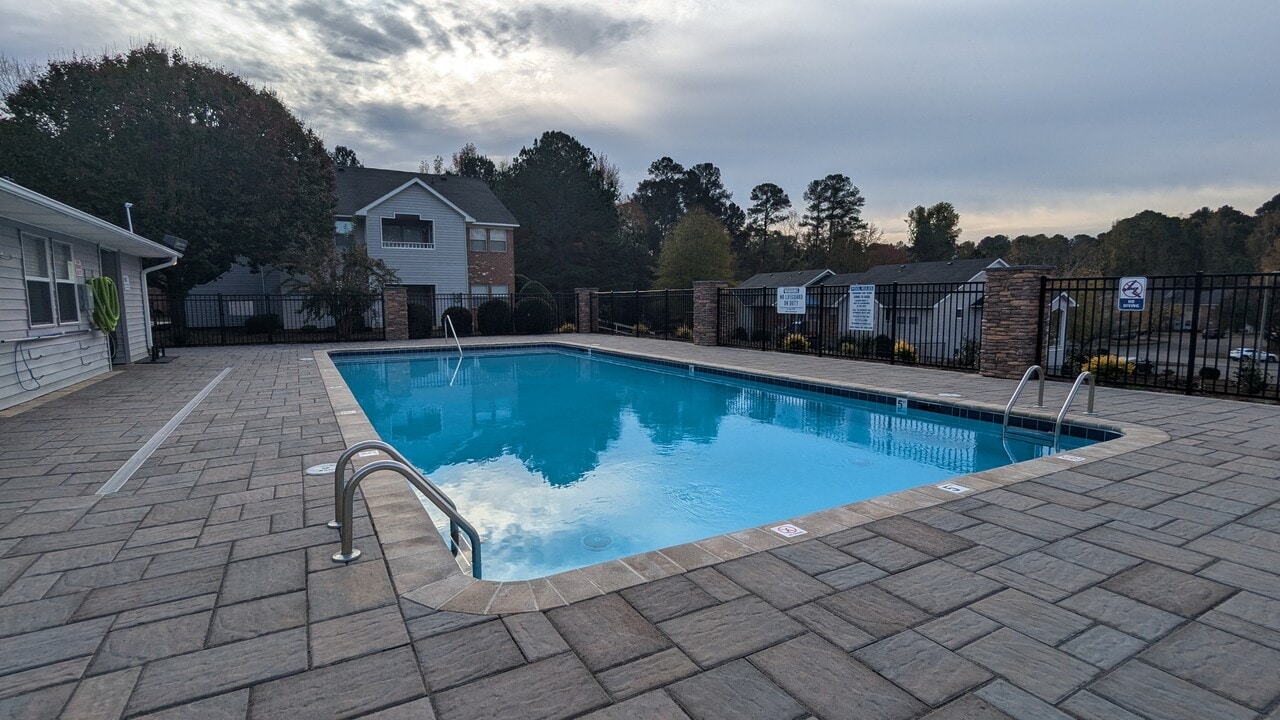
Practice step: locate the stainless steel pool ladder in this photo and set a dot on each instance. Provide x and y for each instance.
(345, 493)
(1084, 377)
(448, 327)
(1022, 384)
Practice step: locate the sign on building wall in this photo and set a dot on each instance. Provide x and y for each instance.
(791, 300)
(862, 301)
(1133, 294)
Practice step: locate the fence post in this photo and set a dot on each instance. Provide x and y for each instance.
(584, 322)
(395, 312)
(706, 311)
(1009, 311)
(893, 324)
(822, 315)
(1195, 331)
(1044, 284)
(222, 320)
(666, 314)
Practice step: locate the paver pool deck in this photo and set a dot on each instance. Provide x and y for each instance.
(1144, 584)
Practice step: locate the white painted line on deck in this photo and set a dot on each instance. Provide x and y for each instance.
(130, 467)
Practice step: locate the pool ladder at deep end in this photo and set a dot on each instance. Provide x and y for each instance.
(344, 493)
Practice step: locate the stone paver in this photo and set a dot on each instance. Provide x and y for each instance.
(1145, 585)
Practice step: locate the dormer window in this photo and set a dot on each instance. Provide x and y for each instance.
(408, 232)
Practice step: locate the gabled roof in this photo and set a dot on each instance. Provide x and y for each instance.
(358, 188)
(791, 278)
(942, 271)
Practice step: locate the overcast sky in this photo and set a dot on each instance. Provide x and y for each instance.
(1027, 116)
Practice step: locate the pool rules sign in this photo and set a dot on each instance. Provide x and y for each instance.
(791, 301)
(862, 301)
(1133, 294)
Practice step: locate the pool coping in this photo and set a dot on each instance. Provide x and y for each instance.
(424, 571)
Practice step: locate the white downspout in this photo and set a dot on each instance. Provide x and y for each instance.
(146, 298)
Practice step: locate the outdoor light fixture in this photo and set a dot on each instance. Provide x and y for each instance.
(174, 242)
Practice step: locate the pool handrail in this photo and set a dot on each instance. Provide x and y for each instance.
(449, 328)
(340, 472)
(424, 486)
(1026, 377)
(1075, 388)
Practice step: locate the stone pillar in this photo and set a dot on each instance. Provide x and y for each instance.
(586, 318)
(706, 311)
(395, 312)
(1010, 313)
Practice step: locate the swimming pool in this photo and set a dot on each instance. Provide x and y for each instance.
(564, 459)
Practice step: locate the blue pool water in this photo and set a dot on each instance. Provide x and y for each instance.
(563, 460)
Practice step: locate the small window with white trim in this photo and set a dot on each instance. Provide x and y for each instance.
(490, 290)
(408, 232)
(488, 239)
(39, 280)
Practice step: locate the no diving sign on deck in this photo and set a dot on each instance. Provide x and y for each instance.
(1133, 294)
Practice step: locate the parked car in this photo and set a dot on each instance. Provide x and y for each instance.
(1253, 354)
(1142, 366)
(1212, 333)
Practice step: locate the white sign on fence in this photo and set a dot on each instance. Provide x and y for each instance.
(790, 301)
(1133, 294)
(862, 302)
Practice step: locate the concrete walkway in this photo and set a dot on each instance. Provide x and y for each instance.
(1145, 585)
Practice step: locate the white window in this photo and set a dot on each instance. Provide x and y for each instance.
(408, 231)
(490, 290)
(497, 240)
(959, 313)
(35, 269)
(488, 239)
(64, 275)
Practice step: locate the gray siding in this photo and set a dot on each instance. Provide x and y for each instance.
(446, 265)
(31, 369)
(132, 332)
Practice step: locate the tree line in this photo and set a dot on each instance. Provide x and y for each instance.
(204, 155)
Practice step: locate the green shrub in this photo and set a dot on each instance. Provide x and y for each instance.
(683, 332)
(461, 318)
(848, 348)
(533, 288)
(309, 329)
(567, 328)
(1210, 373)
(493, 317)
(1251, 379)
(262, 324)
(883, 345)
(968, 354)
(534, 316)
(421, 323)
(759, 335)
(741, 335)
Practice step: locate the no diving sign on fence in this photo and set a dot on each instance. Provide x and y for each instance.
(1133, 294)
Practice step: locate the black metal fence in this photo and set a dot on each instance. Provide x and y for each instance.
(665, 314)
(259, 319)
(1213, 334)
(930, 324)
(492, 314)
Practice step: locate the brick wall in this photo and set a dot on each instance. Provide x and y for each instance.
(1010, 313)
(706, 310)
(492, 268)
(395, 312)
(586, 319)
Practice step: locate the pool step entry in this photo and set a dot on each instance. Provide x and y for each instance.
(345, 493)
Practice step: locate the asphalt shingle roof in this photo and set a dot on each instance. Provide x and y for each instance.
(357, 187)
(790, 278)
(942, 271)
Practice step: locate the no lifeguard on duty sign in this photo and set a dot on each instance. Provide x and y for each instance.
(1133, 294)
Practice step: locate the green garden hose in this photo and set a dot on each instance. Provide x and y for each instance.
(106, 303)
